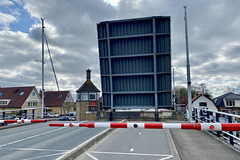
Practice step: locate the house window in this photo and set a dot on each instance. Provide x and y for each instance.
(1, 93)
(230, 102)
(226, 110)
(78, 96)
(84, 96)
(92, 96)
(22, 93)
(3, 102)
(203, 104)
(30, 104)
(33, 93)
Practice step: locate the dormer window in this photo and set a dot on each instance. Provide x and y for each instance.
(4, 102)
(1, 93)
(230, 103)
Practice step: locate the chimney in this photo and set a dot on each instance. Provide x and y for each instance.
(88, 74)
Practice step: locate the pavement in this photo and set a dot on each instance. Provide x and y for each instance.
(201, 145)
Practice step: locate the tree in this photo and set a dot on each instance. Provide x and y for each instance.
(182, 95)
(234, 89)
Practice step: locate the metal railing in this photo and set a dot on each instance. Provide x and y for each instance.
(204, 115)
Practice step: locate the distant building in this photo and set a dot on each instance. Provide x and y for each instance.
(202, 101)
(88, 91)
(135, 63)
(13, 98)
(88, 100)
(59, 102)
(229, 103)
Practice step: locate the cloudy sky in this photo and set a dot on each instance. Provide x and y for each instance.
(214, 39)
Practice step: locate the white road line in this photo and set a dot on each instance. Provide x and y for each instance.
(135, 154)
(50, 155)
(35, 149)
(139, 133)
(166, 158)
(91, 156)
(83, 144)
(132, 149)
(20, 140)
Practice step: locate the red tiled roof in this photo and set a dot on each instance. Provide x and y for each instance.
(194, 98)
(54, 98)
(13, 93)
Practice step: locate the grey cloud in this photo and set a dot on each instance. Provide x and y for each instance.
(72, 36)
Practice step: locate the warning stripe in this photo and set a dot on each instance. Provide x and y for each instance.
(24, 121)
(197, 126)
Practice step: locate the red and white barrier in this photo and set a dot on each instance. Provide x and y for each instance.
(197, 126)
(24, 121)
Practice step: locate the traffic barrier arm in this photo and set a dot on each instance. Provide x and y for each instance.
(197, 126)
(24, 121)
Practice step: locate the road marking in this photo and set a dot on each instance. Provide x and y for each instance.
(50, 155)
(135, 154)
(132, 149)
(172, 145)
(83, 144)
(166, 158)
(24, 139)
(139, 133)
(34, 149)
(91, 156)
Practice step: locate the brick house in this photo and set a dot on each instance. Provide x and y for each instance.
(15, 98)
(88, 102)
(58, 101)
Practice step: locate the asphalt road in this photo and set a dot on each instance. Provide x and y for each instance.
(131, 144)
(41, 142)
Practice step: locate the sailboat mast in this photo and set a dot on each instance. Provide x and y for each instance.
(188, 68)
(42, 67)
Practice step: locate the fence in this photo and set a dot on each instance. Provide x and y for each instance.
(203, 115)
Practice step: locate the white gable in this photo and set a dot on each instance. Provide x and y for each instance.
(203, 99)
(34, 96)
(69, 98)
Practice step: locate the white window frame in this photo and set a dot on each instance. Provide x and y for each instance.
(3, 103)
(32, 104)
(84, 98)
(230, 103)
(94, 95)
(202, 105)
